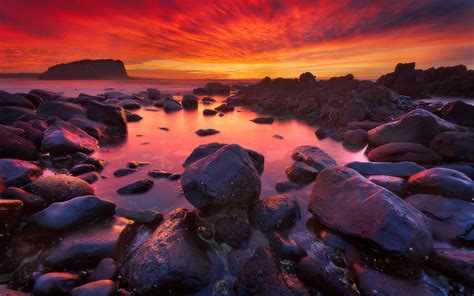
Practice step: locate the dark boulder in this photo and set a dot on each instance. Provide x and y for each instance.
(285, 247)
(263, 275)
(87, 246)
(345, 201)
(60, 188)
(313, 156)
(207, 149)
(458, 112)
(233, 231)
(365, 125)
(62, 110)
(171, 260)
(301, 173)
(132, 117)
(451, 219)
(454, 145)
(97, 288)
(402, 169)
(444, 182)
(93, 128)
(236, 260)
(275, 212)
(16, 147)
(124, 172)
(17, 173)
(29, 200)
(153, 94)
(107, 269)
(213, 88)
(263, 120)
(32, 134)
(357, 137)
(72, 213)
(467, 169)
(313, 271)
(10, 114)
(136, 163)
(82, 169)
(170, 105)
(398, 152)
(65, 138)
(224, 108)
(158, 174)
(55, 283)
(373, 282)
(209, 112)
(136, 187)
(226, 177)
(8, 99)
(150, 217)
(10, 211)
(393, 184)
(90, 177)
(206, 132)
(189, 102)
(113, 116)
(455, 263)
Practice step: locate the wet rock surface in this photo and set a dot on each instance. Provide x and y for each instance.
(313, 156)
(206, 132)
(136, 187)
(60, 188)
(64, 138)
(454, 145)
(402, 169)
(62, 110)
(15, 172)
(233, 231)
(444, 182)
(383, 218)
(455, 263)
(55, 283)
(16, 147)
(226, 177)
(171, 259)
(275, 212)
(398, 152)
(301, 173)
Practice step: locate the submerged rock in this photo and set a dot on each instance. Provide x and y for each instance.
(124, 172)
(262, 275)
(60, 188)
(275, 212)
(301, 173)
(345, 201)
(171, 105)
(189, 102)
(209, 112)
(226, 177)
(206, 132)
(136, 187)
(263, 120)
(15, 172)
(157, 174)
(171, 260)
(86, 247)
(444, 182)
(65, 138)
(207, 149)
(55, 283)
(398, 152)
(451, 219)
(403, 169)
(313, 156)
(75, 212)
(151, 217)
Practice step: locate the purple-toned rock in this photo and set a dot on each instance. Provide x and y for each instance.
(233, 231)
(454, 145)
(55, 283)
(17, 173)
(402, 169)
(97, 288)
(455, 263)
(381, 218)
(62, 110)
(357, 137)
(393, 184)
(60, 188)
(111, 115)
(8, 99)
(189, 102)
(301, 173)
(93, 128)
(398, 152)
(313, 156)
(275, 212)
(65, 138)
(458, 112)
(136, 187)
(107, 269)
(264, 120)
(16, 147)
(10, 114)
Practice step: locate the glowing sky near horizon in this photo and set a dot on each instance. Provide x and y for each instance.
(236, 38)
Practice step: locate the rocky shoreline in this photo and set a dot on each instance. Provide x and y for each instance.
(401, 224)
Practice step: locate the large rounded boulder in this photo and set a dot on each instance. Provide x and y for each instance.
(60, 188)
(13, 146)
(398, 152)
(275, 212)
(442, 181)
(454, 145)
(63, 110)
(65, 138)
(347, 202)
(111, 115)
(225, 178)
(172, 260)
(16, 172)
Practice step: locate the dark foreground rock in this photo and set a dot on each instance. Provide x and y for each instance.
(275, 212)
(93, 128)
(262, 275)
(382, 217)
(226, 177)
(444, 182)
(60, 188)
(402, 169)
(87, 246)
(171, 260)
(451, 219)
(111, 115)
(10, 114)
(373, 282)
(62, 110)
(75, 212)
(107, 269)
(65, 138)
(458, 112)
(455, 263)
(206, 132)
(15, 172)
(207, 149)
(10, 211)
(16, 147)
(98, 288)
(398, 152)
(8, 99)
(55, 283)
(189, 102)
(30, 201)
(301, 173)
(233, 231)
(454, 145)
(393, 184)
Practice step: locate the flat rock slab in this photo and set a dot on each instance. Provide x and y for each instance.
(86, 247)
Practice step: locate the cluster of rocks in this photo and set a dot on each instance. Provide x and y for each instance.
(213, 88)
(454, 81)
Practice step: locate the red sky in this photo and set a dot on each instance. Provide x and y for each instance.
(236, 38)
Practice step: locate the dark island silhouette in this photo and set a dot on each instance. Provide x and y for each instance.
(86, 69)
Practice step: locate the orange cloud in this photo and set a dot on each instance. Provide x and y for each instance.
(236, 38)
